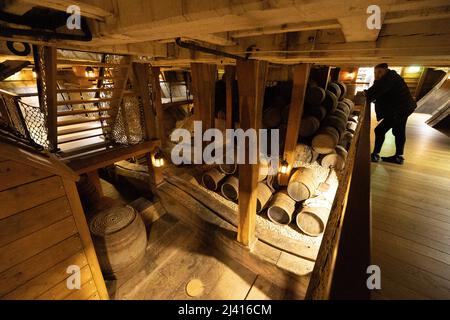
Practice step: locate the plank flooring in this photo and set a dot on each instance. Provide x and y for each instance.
(411, 216)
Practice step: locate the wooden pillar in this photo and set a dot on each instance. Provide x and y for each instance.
(153, 126)
(251, 76)
(141, 78)
(157, 103)
(50, 57)
(300, 81)
(204, 84)
(230, 74)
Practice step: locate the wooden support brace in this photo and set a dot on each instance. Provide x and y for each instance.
(251, 77)
(230, 76)
(157, 104)
(204, 83)
(50, 96)
(300, 81)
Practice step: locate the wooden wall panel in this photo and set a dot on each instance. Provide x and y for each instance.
(32, 267)
(33, 220)
(43, 231)
(30, 195)
(13, 174)
(35, 243)
(47, 280)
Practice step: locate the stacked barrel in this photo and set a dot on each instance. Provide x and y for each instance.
(225, 180)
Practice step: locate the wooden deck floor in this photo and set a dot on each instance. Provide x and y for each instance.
(411, 216)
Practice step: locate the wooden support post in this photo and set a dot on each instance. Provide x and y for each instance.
(300, 81)
(230, 76)
(51, 97)
(141, 78)
(157, 104)
(204, 84)
(251, 77)
(95, 179)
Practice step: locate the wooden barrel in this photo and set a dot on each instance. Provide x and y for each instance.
(350, 103)
(315, 95)
(336, 121)
(351, 126)
(318, 112)
(309, 126)
(228, 168)
(344, 108)
(343, 88)
(346, 140)
(303, 154)
(303, 184)
(212, 179)
(353, 118)
(264, 169)
(263, 196)
(281, 209)
(312, 221)
(335, 160)
(326, 140)
(230, 188)
(330, 102)
(120, 241)
(272, 118)
(333, 87)
(89, 195)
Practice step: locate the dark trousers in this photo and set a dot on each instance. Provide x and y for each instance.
(398, 126)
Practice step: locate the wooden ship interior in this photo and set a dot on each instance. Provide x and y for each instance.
(87, 134)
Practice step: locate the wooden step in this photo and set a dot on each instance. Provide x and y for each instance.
(84, 101)
(81, 111)
(68, 140)
(84, 90)
(64, 132)
(64, 123)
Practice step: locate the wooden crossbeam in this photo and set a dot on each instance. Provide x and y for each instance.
(251, 76)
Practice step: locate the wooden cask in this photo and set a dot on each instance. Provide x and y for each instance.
(263, 196)
(330, 102)
(326, 140)
(230, 188)
(120, 241)
(303, 154)
(334, 88)
(335, 160)
(281, 209)
(309, 126)
(344, 107)
(343, 88)
(312, 220)
(346, 140)
(212, 179)
(351, 126)
(228, 168)
(303, 184)
(315, 95)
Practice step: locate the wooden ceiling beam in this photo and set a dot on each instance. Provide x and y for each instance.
(95, 9)
(290, 27)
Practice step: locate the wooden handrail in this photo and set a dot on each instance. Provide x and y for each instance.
(322, 276)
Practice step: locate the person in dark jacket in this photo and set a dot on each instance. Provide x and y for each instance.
(393, 105)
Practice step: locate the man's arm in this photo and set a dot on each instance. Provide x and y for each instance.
(379, 88)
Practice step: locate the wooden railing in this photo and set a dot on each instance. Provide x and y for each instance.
(340, 269)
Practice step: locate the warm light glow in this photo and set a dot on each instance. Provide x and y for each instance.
(34, 73)
(158, 159)
(413, 69)
(89, 72)
(351, 76)
(284, 168)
